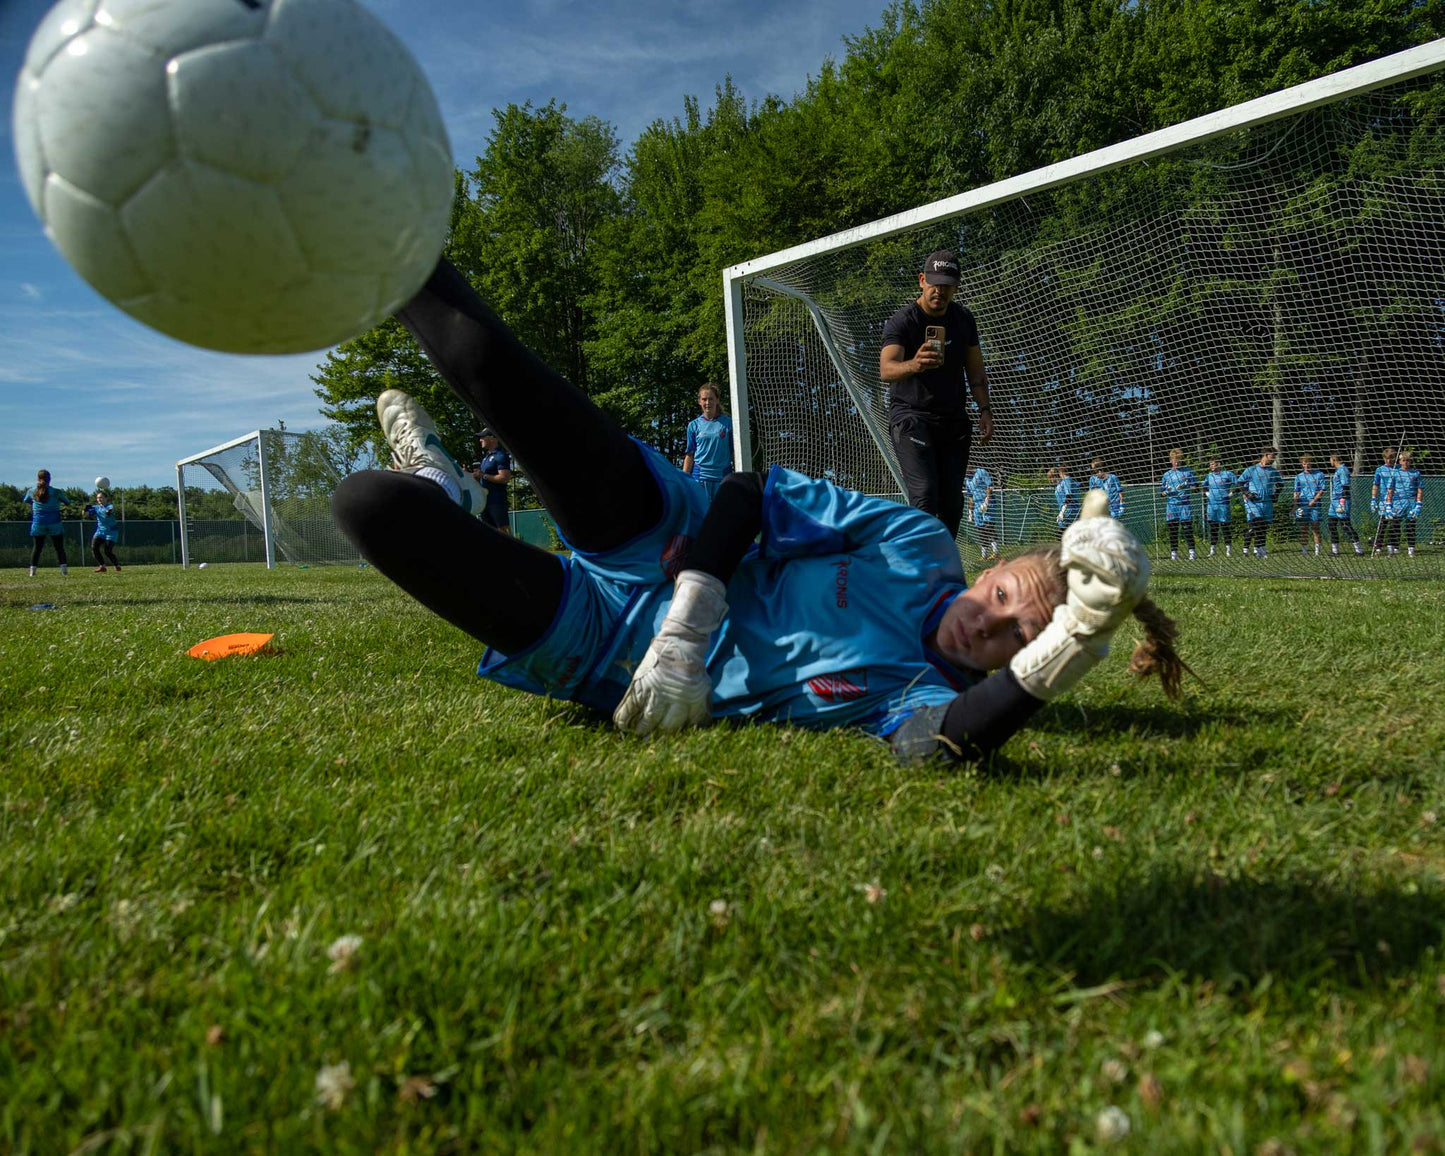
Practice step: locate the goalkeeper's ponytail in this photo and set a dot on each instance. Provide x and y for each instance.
(1156, 653)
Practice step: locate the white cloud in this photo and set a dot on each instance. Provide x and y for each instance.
(31, 291)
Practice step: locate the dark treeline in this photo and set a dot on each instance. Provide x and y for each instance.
(608, 264)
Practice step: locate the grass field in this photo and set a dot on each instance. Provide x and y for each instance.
(1225, 918)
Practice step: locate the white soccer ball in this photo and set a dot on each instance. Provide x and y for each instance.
(257, 176)
(203, 565)
(102, 483)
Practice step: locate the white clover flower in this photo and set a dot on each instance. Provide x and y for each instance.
(1111, 1125)
(343, 952)
(718, 907)
(333, 1084)
(1153, 1039)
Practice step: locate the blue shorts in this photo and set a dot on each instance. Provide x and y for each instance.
(1179, 516)
(1216, 514)
(46, 531)
(105, 536)
(1307, 514)
(709, 486)
(604, 597)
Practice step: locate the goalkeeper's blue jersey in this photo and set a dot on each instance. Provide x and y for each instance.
(1405, 487)
(44, 512)
(978, 487)
(1340, 492)
(1309, 485)
(1259, 485)
(1384, 476)
(826, 616)
(1218, 488)
(1177, 486)
(104, 521)
(1112, 489)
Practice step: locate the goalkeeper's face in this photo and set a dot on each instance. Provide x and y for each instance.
(996, 617)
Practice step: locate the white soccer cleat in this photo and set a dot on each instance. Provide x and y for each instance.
(1173, 555)
(1191, 555)
(416, 447)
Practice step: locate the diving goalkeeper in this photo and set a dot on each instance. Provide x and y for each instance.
(852, 611)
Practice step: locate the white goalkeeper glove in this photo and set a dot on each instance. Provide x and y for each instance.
(670, 689)
(1108, 573)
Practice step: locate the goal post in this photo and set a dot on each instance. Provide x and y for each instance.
(262, 497)
(1269, 274)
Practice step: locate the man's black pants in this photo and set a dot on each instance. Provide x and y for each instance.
(933, 458)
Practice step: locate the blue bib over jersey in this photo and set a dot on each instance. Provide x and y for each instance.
(1259, 484)
(1406, 487)
(711, 445)
(1112, 489)
(1340, 492)
(1218, 486)
(1177, 486)
(44, 514)
(978, 487)
(826, 617)
(104, 522)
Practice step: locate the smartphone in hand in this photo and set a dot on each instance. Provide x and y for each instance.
(936, 338)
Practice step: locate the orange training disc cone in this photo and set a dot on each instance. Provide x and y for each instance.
(229, 644)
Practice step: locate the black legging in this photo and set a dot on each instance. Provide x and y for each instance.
(1255, 531)
(37, 543)
(1174, 528)
(1218, 528)
(590, 475)
(99, 544)
(1337, 523)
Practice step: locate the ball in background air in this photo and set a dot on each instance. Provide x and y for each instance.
(102, 483)
(255, 176)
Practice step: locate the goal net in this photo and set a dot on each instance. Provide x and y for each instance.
(264, 497)
(1269, 275)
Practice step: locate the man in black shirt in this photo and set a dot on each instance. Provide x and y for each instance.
(927, 408)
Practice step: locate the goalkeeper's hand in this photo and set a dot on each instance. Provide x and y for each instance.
(1374, 506)
(1414, 510)
(671, 689)
(1108, 574)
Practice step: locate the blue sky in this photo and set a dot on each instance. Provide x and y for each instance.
(85, 390)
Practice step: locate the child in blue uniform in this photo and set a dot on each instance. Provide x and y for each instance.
(1102, 479)
(1340, 502)
(1219, 486)
(1066, 494)
(106, 533)
(709, 456)
(1385, 527)
(1259, 484)
(1406, 497)
(1309, 500)
(45, 524)
(1178, 485)
(850, 611)
(981, 503)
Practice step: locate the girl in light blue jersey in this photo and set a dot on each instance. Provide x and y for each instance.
(1309, 501)
(1387, 531)
(1406, 497)
(1178, 485)
(45, 524)
(1066, 494)
(1259, 484)
(106, 533)
(1219, 486)
(981, 505)
(1340, 502)
(848, 610)
(1102, 479)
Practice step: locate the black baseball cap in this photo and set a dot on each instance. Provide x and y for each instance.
(941, 268)
(489, 432)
